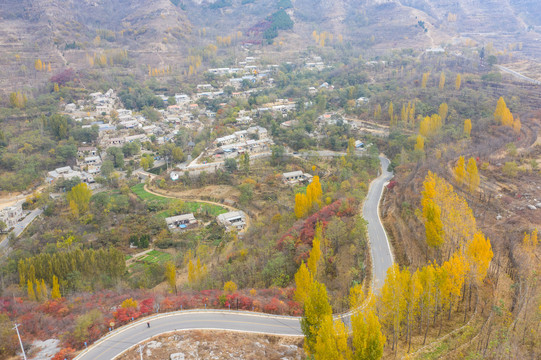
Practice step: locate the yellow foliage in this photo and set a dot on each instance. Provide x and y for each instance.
(129, 303)
(460, 170)
(420, 144)
(442, 81)
(230, 287)
(467, 127)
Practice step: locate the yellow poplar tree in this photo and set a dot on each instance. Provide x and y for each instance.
(171, 276)
(38, 65)
(425, 80)
(460, 170)
(391, 113)
(55, 292)
(472, 175)
(303, 281)
(301, 205)
(478, 256)
(443, 111)
(455, 269)
(393, 302)
(458, 82)
(80, 195)
(500, 110)
(467, 127)
(432, 214)
(316, 308)
(44, 290)
(377, 112)
(31, 293)
(367, 338)
(332, 340)
(442, 81)
(420, 144)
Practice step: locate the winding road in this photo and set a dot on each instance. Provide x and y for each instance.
(122, 339)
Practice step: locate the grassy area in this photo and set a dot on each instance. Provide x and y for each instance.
(157, 257)
(144, 195)
(189, 206)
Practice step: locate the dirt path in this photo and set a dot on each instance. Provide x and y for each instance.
(172, 195)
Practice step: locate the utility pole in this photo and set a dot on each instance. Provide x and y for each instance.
(20, 341)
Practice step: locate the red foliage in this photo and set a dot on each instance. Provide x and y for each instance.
(275, 306)
(146, 306)
(391, 184)
(66, 353)
(305, 229)
(56, 307)
(124, 315)
(63, 77)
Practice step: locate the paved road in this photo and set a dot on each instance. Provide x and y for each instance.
(518, 75)
(19, 228)
(382, 257)
(124, 338)
(114, 344)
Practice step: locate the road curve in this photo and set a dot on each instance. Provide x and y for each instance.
(122, 339)
(382, 256)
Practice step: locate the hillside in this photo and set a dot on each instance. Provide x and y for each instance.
(163, 33)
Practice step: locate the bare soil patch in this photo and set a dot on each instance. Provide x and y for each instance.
(199, 344)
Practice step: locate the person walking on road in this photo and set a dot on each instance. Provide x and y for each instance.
(148, 324)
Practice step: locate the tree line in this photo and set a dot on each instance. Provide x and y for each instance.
(89, 263)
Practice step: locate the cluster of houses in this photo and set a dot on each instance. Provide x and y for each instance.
(254, 140)
(103, 104)
(233, 220)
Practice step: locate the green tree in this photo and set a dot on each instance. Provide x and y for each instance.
(107, 168)
(58, 124)
(178, 155)
(245, 163)
(230, 165)
(118, 156)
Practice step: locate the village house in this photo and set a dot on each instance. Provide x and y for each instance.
(65, 172)
(107, 142)
(182, 99)
(295, 177)
(140, 137)
(181, 222)
(86, 151)
(70, 108)
(234, 220)
(11, 215)
(257, 132)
